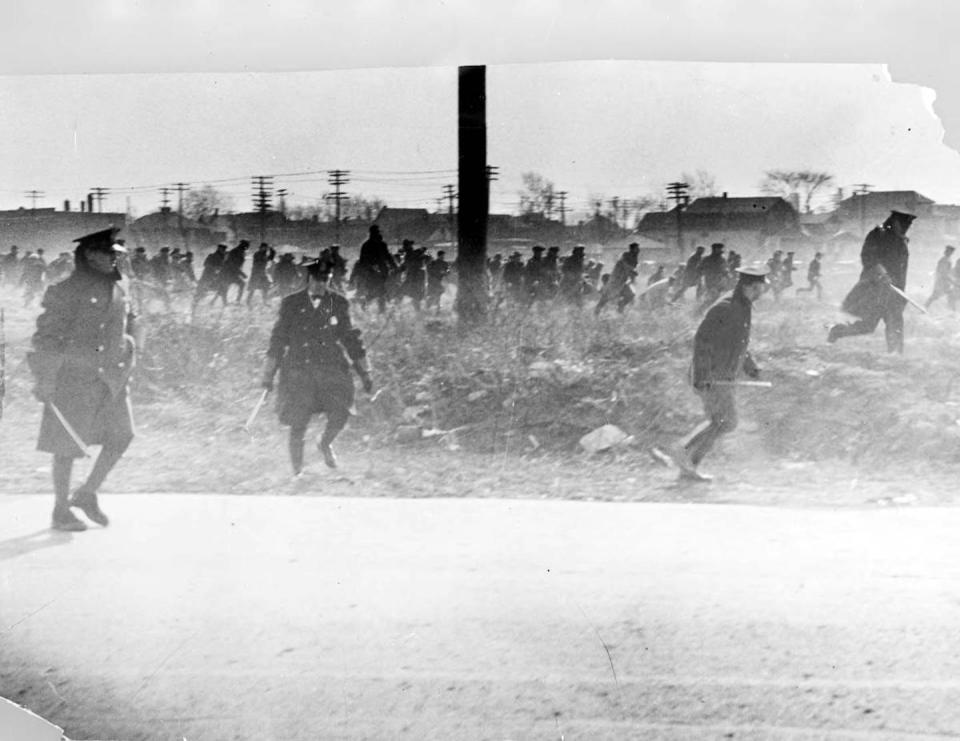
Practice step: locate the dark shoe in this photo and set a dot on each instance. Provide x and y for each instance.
(328, 456)
(64, 519)
(694, 476)
(86, 502)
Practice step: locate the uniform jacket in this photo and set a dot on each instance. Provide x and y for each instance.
(313, 348)
(884, 258)
(720, 344)
(84, 333)
(319, 337)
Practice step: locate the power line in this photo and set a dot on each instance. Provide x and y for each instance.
(33, 195)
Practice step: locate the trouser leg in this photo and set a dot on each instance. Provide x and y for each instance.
(336, 421)
(109, 456)
(893, 329)
(62, 468)
(719, 403)
(295, 446)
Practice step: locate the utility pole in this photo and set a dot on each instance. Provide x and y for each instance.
(33, 195)
(337, 178)
(678, 193)
(449, 192)
(99, 194)
(262, 200)
(181, 187)
(165, 198)
(474, 189)
(562, 195)
(282, 195)
(860, 190)
(614, 208)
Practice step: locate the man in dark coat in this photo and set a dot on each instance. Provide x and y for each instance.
(437, 270)
(620, 284)
(713, 271)
(719, 354)
(691, 274)
(83, 352)
(943, 280)
(259, 280)
(373, 267)
(884, 258)
(814, 271)
(313, 345)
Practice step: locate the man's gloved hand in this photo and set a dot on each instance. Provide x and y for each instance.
(753, 372)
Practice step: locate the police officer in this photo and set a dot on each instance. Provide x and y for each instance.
(719, 354)
(83, 352)
(313, 345)
(884, 257)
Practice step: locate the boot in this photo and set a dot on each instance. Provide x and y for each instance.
(86, 502)
(64, 519)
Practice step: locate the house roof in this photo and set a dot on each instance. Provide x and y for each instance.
(885, 198)
(740, 206)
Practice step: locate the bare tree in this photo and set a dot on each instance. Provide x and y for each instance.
(803, 183)
(538, 194)
(206, 201)
(703, 184)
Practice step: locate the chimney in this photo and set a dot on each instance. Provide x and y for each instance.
(724, 195)
(66, 205)
(90, 203)
(83, 206)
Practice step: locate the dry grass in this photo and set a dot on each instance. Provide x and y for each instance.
(518, 394)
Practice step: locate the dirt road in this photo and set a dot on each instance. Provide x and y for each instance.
(216, 617)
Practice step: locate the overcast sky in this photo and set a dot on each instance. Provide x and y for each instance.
(594, 128)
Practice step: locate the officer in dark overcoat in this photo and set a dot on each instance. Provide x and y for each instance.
(720, 353)
(884, 257)
(374, 266)
(83, 353)
(313, 346)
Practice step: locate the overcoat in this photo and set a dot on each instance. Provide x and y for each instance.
(314, 347)
(83, 349)
(720, 344)
(884, 258)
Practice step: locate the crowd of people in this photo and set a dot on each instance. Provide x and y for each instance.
(85, 343)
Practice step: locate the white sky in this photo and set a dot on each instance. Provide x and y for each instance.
(600, 128)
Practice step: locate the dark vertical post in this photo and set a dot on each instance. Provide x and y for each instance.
(474, 192)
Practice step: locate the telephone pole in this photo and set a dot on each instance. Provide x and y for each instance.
(474, 188)
(99, 194)
(33, 195)
(337, 178)
(262, 200)
(282, 195)
(181, 188)
(678, 193)
(562, 195)
(450, 192)
(165, 198)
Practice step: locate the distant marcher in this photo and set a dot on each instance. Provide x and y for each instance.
(33, 273)
(10, 266)
(437, 270)
(83, 352)
(691, 274)
(943, 280)
(713, 272)
(414, 273)
(814, 270)
(513, 278)
(884, 257)
(338, 268)
(286, 277)
(259, 280)
(372, 270)
(210, 274)
(231, 273)
(313, 345)
(572, 284)
(620, 284)
(720, 353)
